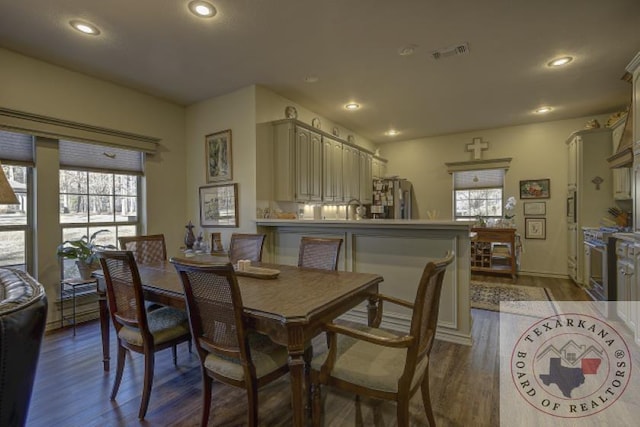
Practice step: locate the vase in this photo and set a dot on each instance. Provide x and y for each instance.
(189, 237)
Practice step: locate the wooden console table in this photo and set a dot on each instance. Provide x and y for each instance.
(494, 250)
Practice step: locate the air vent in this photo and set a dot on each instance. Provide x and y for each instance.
(459, 49)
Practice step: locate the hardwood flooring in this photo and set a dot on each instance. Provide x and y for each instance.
(71, 389)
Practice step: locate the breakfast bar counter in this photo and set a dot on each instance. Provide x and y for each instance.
(398, 250)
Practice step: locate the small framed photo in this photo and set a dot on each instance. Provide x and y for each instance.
(219, 205)
(535, 228)
(535, 208)
(218, 156)
(535, 189)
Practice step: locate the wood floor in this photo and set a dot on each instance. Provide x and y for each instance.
(71, 389)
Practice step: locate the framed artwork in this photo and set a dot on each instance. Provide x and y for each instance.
(219, 205)
(535, 189)
(535, 208)
(218, 156)
(535, 228)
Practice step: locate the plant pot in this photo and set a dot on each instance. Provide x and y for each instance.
(85, 270)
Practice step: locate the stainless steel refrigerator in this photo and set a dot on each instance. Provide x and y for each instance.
(392, 199)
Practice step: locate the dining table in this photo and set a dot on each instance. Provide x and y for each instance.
(290, 305)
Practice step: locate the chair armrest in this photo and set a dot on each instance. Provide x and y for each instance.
(396, 301)
(379, 309)
(396, 342)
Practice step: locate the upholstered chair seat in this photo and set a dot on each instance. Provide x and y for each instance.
(165, 324)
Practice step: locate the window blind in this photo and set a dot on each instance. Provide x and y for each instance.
(16, 148)
(100, 158)
(484, 178)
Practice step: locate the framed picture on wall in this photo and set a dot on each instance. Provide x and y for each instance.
(535, 189)
(535, 208)
(219, 205)
(535, 228)
(218, 156)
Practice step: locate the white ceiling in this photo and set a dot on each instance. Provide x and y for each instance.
(158, 47)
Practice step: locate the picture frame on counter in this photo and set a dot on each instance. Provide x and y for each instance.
(535, 228)
(218, 156)
(219, 205)
(535, 208)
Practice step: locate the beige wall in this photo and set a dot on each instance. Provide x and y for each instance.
(38, 87)
(538, 151)
(235, 111)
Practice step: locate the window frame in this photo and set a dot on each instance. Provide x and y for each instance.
(27, 228)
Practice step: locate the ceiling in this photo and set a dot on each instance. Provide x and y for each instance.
(160, 48)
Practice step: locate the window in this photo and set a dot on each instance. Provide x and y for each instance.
(16, 153)
(478, 193)
(92, 199)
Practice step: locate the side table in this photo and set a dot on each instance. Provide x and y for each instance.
(72, 288)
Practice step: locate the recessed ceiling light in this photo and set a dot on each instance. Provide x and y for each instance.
(392, 132)
(352, 106)
(543, 110)
(311, 79)
(84, 27)
(559, 62)
(202, 9)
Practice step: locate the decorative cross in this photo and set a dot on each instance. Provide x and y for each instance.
(477, 146)
(597, 181)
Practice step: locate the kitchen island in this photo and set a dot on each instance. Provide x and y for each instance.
(396, 249)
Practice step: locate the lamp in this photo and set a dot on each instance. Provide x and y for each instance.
(7, 196)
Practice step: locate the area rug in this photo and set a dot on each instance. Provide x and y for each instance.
(514, 298)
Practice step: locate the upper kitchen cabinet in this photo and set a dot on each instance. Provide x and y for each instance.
(379, 168)
(634, 115)
(351, 172)
(366, 179)
(297, 163)
(332, 189)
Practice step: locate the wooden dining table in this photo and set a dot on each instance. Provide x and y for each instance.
(289, 308)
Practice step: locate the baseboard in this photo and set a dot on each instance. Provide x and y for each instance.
(544, 274)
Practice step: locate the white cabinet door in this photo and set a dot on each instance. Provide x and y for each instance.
(351, 172)
(308, 147)
(366, 182)
(572, 245)
(332, 190)
(622, 183)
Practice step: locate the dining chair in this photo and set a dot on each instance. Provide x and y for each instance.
(319, 253)
(246, 246)
(229, 352)
(137, 329)
(379, 364)
(146, 249)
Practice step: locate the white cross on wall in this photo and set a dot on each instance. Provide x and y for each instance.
(477, 146)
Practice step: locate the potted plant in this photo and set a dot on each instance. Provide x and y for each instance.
(84, 251)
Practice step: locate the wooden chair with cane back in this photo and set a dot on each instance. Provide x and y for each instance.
(146, 249)
(379, 364)
(319, 253)
(229, 352)
(246, 246)
(137, 329)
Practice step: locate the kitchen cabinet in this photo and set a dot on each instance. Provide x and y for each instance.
(351, 172)
(332, 190)
(297, 163)
(590, 182)
(572, 253)
(365, 179)
(626, 283)
(379, 168)
(494, 250)
(621, 176)
(634, 116)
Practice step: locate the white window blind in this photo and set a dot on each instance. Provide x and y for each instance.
(484, 178)
(100, 158)
(16, 148)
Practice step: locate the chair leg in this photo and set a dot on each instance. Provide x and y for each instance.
(206, 398)
(426, 399)
(316, 413)
(252, 400)
(358, 412)
(122, 352)
(149, 360)
(403, 412)
(174, 353)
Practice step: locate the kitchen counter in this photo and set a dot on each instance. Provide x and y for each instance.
(396, 249)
